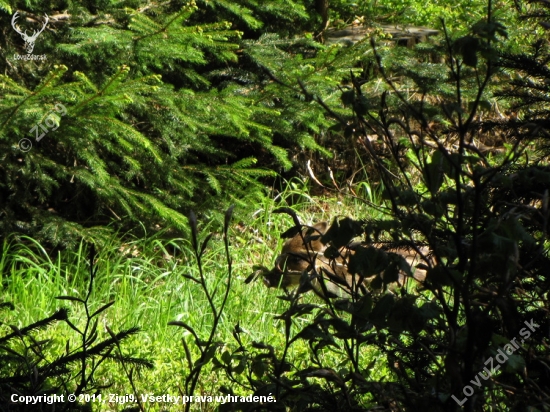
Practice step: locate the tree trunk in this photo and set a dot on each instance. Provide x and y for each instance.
(322, 8)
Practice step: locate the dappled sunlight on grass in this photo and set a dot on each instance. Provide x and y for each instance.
(145, 278)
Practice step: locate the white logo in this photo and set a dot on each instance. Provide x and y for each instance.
(29, 40)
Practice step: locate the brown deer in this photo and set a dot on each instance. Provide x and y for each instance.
(305, 260)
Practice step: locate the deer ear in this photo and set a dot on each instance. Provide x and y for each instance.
(290, 233)
(321, 227)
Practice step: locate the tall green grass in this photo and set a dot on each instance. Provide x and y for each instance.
(146, 279)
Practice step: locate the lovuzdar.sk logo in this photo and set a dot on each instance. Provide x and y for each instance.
(29, 39)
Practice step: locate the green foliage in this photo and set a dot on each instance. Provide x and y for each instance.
(209, 346)
(486, 228)
(288, 17)
(484, 218)
(28, 368)
(144, 110)
(134, 141)
(411, 11)
(148, 111)
(5, 6)
(147, 279)
(166, 107)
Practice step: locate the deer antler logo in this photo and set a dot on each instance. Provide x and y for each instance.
(29, 40)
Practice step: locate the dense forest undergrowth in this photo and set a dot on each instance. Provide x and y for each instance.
(145, 279)
(128, 129)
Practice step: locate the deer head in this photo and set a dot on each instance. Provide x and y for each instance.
(305, 253)
(29, 40)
